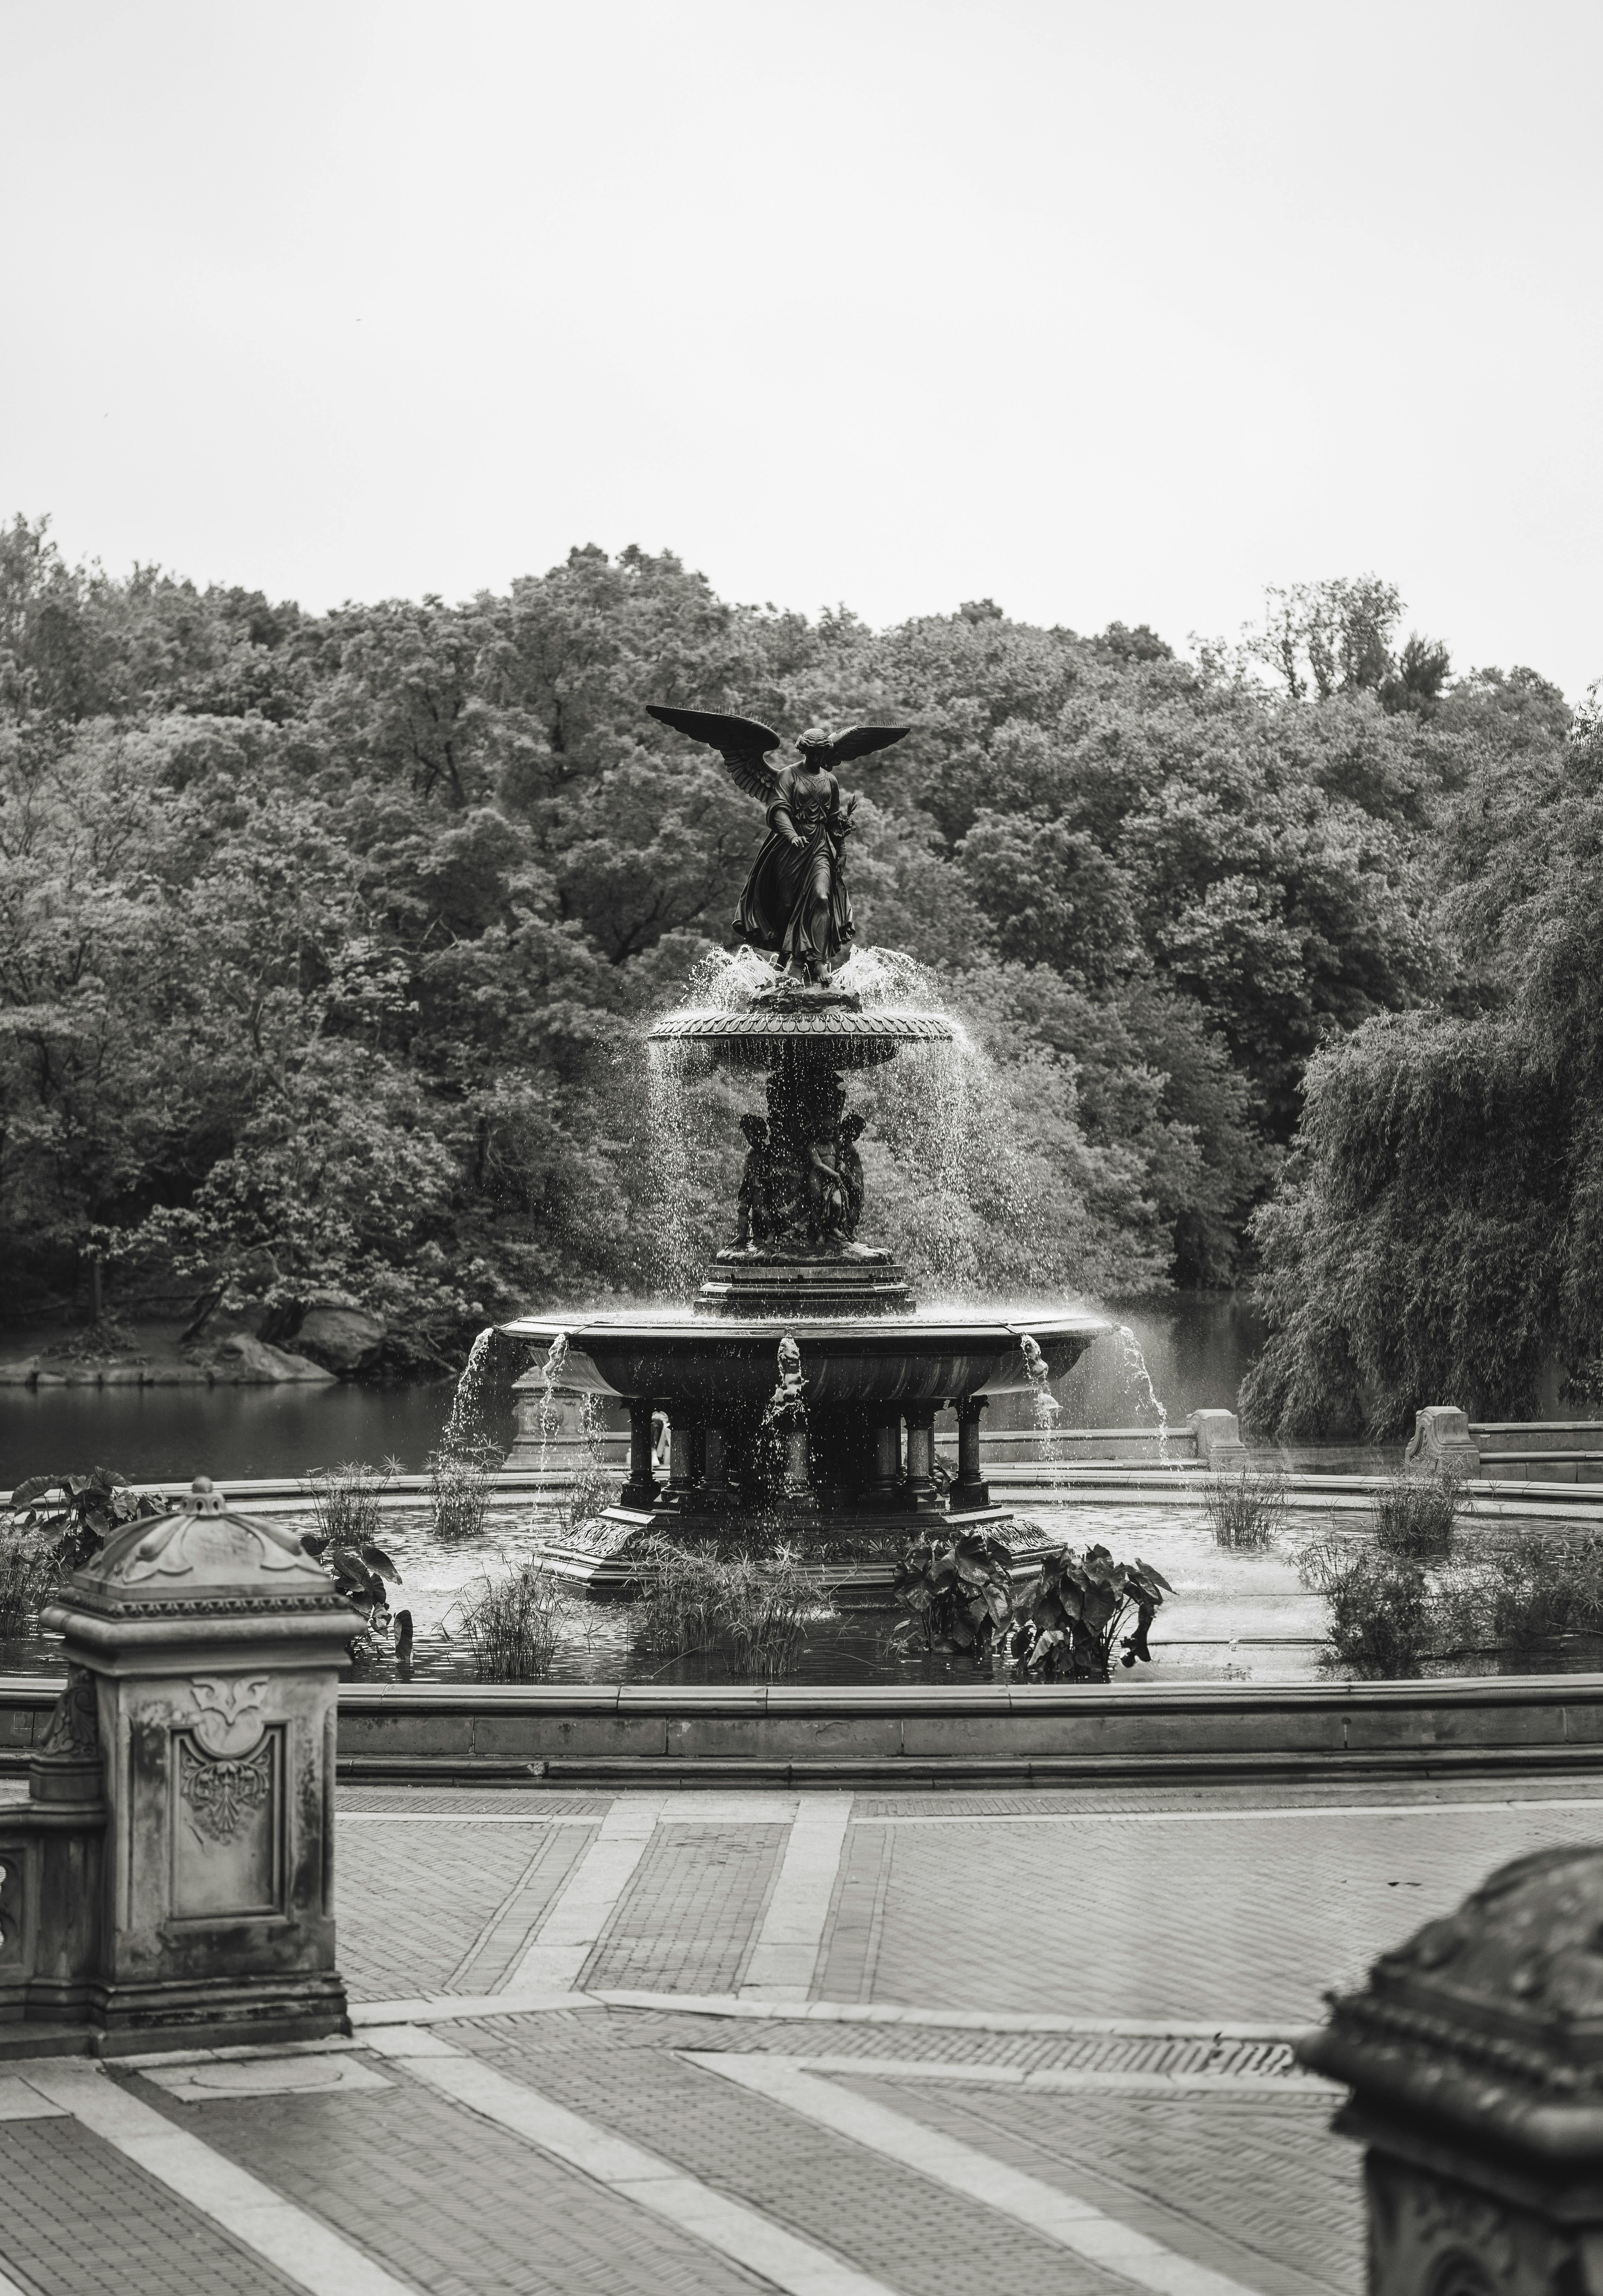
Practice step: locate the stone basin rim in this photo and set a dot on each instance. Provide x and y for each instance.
(914, 1327)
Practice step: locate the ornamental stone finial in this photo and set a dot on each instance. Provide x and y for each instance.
(1475, 2059)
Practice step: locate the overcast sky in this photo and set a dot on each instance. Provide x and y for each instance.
(1103, 311)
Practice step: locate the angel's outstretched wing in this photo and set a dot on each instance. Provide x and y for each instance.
(741, 742)
(860, 740)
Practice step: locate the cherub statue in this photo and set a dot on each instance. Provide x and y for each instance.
(826, 1197)
(795, 901)
(752, 1221)
(848, 1163)
(787, 1405)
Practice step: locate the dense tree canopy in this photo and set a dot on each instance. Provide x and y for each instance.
(325, 940)
(1439, 1235)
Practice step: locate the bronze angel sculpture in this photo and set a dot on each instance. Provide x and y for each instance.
(795, 902)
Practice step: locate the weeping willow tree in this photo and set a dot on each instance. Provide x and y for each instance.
(1438, 1233)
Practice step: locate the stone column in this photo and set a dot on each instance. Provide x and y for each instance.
(714, 1466)
(1473, 2060)
(212, 1643)
(888, 1459)
(685, 1450)
(921, 1456)
(970, 1491)
(639, 1492)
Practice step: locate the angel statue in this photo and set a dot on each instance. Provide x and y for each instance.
(795, 901)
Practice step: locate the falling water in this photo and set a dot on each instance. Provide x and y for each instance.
(556, 1357)
(1134, 1364)
(669, 1067)
(1044, 1406)
(940, 1111)
(464, 1429)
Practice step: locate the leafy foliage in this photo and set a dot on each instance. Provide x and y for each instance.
(959, 1592)
(72, 1516)
(1068, 1623)
(1441, 1224)
(323, 938)
(358, 1572)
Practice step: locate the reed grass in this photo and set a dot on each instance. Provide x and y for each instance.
(697, 1600)
(460, 1490)
(1415, 1516)
(518, 1624)
(346, 1500)
(1245, 1510)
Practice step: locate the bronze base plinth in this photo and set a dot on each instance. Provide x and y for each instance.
(798, 1284)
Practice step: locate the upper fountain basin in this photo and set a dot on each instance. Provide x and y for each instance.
(935, 1356)
(831, 1021)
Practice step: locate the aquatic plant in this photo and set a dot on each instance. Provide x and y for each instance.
(1415, 1516)
(1245, 1510)
(1381, 1620)
(29, 1572)
(959, 1593)
(516, 1625)
(346, 1500)
(358, 1572)
(461, 1485)
(74, 1515)
(751, 1607)
(1066, 1622)
(1521, 1593)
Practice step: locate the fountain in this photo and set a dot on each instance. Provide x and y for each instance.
(801, 1383)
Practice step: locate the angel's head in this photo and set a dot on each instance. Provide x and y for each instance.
(816, 737)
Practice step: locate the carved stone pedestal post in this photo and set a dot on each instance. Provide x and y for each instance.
(970, 1491)
(1441, 1444)
(1475, 2062)
(211, 1644)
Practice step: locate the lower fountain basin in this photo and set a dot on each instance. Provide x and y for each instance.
(927, 1358)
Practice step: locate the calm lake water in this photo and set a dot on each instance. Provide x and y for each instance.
(1195, 1350)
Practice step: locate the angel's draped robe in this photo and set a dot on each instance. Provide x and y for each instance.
(796, 901)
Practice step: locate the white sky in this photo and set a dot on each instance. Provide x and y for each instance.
(1110, 309)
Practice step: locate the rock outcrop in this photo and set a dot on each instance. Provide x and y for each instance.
(251, 1362)
(343, 1340)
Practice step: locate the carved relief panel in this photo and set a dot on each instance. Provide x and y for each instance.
(227, 1805)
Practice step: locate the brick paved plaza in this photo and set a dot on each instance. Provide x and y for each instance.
(820, 2043)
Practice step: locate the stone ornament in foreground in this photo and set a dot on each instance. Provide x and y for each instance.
(1475, 2058)
(173, 1868)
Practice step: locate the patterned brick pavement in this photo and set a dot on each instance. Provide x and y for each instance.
(1167, 1907)
(77, 2219)
(687, 1921)
(415, 1901)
